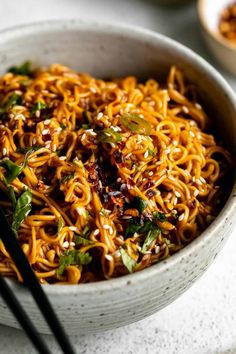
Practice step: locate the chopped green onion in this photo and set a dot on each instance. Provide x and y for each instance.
(37, 107)
(135, 123)
(108, 136)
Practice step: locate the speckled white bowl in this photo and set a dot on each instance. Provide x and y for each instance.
(107, 51)
(224, 51)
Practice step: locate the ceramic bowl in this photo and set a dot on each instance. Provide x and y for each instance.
(223, 50)
(108, 51)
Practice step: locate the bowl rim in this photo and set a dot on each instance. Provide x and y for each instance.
(138, 33)
(214, 34)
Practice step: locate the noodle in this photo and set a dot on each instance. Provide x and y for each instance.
(101, 178)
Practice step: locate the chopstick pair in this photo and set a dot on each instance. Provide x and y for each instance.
(13, 248)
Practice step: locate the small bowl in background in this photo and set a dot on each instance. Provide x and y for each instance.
(209, 12)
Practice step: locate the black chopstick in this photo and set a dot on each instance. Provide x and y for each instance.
(22, 317)
(12, 246)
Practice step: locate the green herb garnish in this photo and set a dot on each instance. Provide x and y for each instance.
(79, 240)
(25, 149)
(67, 177)
(22, 208)
(108, 136)
(128, 261)
(140, 204)
(60, 224)
(11, 195)
(24, 69)
(13, 170)
(159, 216)
(37, 107)
(151, 236)
(135, 123)
(73, 257)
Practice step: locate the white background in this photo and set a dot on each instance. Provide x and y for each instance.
(203, 320)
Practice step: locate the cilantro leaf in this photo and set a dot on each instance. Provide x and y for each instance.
(22, 208)
(24, 69)
(159, 216)
(73, 257)
(151, 236)
(140, 204)
(128, 261)
(25, 149)
(79, 240)
(13, 170)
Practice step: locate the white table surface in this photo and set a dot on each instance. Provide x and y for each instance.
(203, 320)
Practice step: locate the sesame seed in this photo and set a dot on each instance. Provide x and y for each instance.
(126, 217)
(37, 113)
(62, 158)
(181, 217)
(118, 180)
(47, 146)
(146, 154)
(65, 244)
(110, 230)
(92, 89)
(196, 192)
(175, 201)
(177, 194)
(192, 123)
(128, 155)
(54, 147)
(58, 130)
(185, 109)
(72, 244)
(96, 232)
(121, 238)
(116, 254)
(113, 145)
(47, 122)
(45, 132)
(198, 106)
(11, 116)
(157, 249)
(175, 142)
(177, 150)
(194, 179)
(100, 184)
(192, 134)
(108, 134)
(106, 227)
(171, 178)
(202, 180)
(147, 252)
(72, 228)
(80, 211)
(108, 257)
(83, 137)
(151, 173)
(34, 141)
(167, 151)
(99, 116)
(199, 183)
(4, 151)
